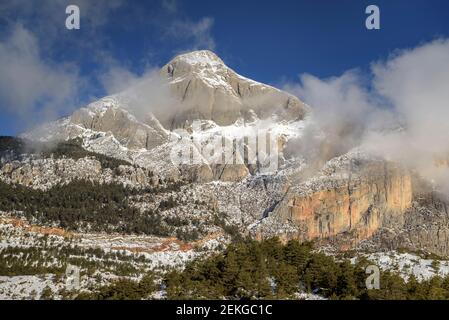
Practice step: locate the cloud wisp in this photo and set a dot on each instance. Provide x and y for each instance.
(47, 71)
(31, 87)
(400, 113)
(198, 33)
(143, 94)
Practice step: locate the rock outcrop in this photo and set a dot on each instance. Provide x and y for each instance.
(423, 227)
(46, 173)
(209, 90)
(350, 198)
(199, 87)
(357, 197)
(108, 115)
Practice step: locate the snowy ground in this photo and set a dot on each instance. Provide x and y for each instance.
(309, 296)
(114, 253)
(407, 264)
(26, 287)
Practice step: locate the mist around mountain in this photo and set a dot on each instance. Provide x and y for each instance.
(197, 182)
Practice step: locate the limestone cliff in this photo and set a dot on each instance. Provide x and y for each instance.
(46, 173)
(357, 198)
(423, 227)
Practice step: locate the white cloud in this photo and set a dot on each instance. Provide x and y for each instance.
(323, 95)
(342, 110)
(30, 86)
(414, 83)
(117, 79)
(46, 20)
(51, 13)
(145, 94)
(417, 84)
(198, 34)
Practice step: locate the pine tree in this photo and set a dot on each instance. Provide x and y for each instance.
(47, 293)
(347, 282)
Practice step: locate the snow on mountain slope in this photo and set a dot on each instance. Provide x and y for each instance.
(209, 90)
(407, 264)
(341, 195)
(212, 100)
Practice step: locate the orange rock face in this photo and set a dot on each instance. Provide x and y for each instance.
(358, 204)
(19, 223)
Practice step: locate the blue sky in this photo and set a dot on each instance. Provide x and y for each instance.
(270, 41)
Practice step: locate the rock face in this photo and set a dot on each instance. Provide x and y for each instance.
(107, 115)
(46, 173)
(357, 197)
(209, 90)
(423, 227)
(200, 88)
(352, 197)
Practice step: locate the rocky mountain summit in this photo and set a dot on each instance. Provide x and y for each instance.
(346, 201)
(209, 90)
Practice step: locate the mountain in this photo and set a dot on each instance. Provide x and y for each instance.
(209, 90)
(347, 199)
(203, 90)
(192, 159)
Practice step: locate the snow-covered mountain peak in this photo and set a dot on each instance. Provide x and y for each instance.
(200, 57)
(203, 65)
(210, 90)
(200, 88)
(99, 107)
